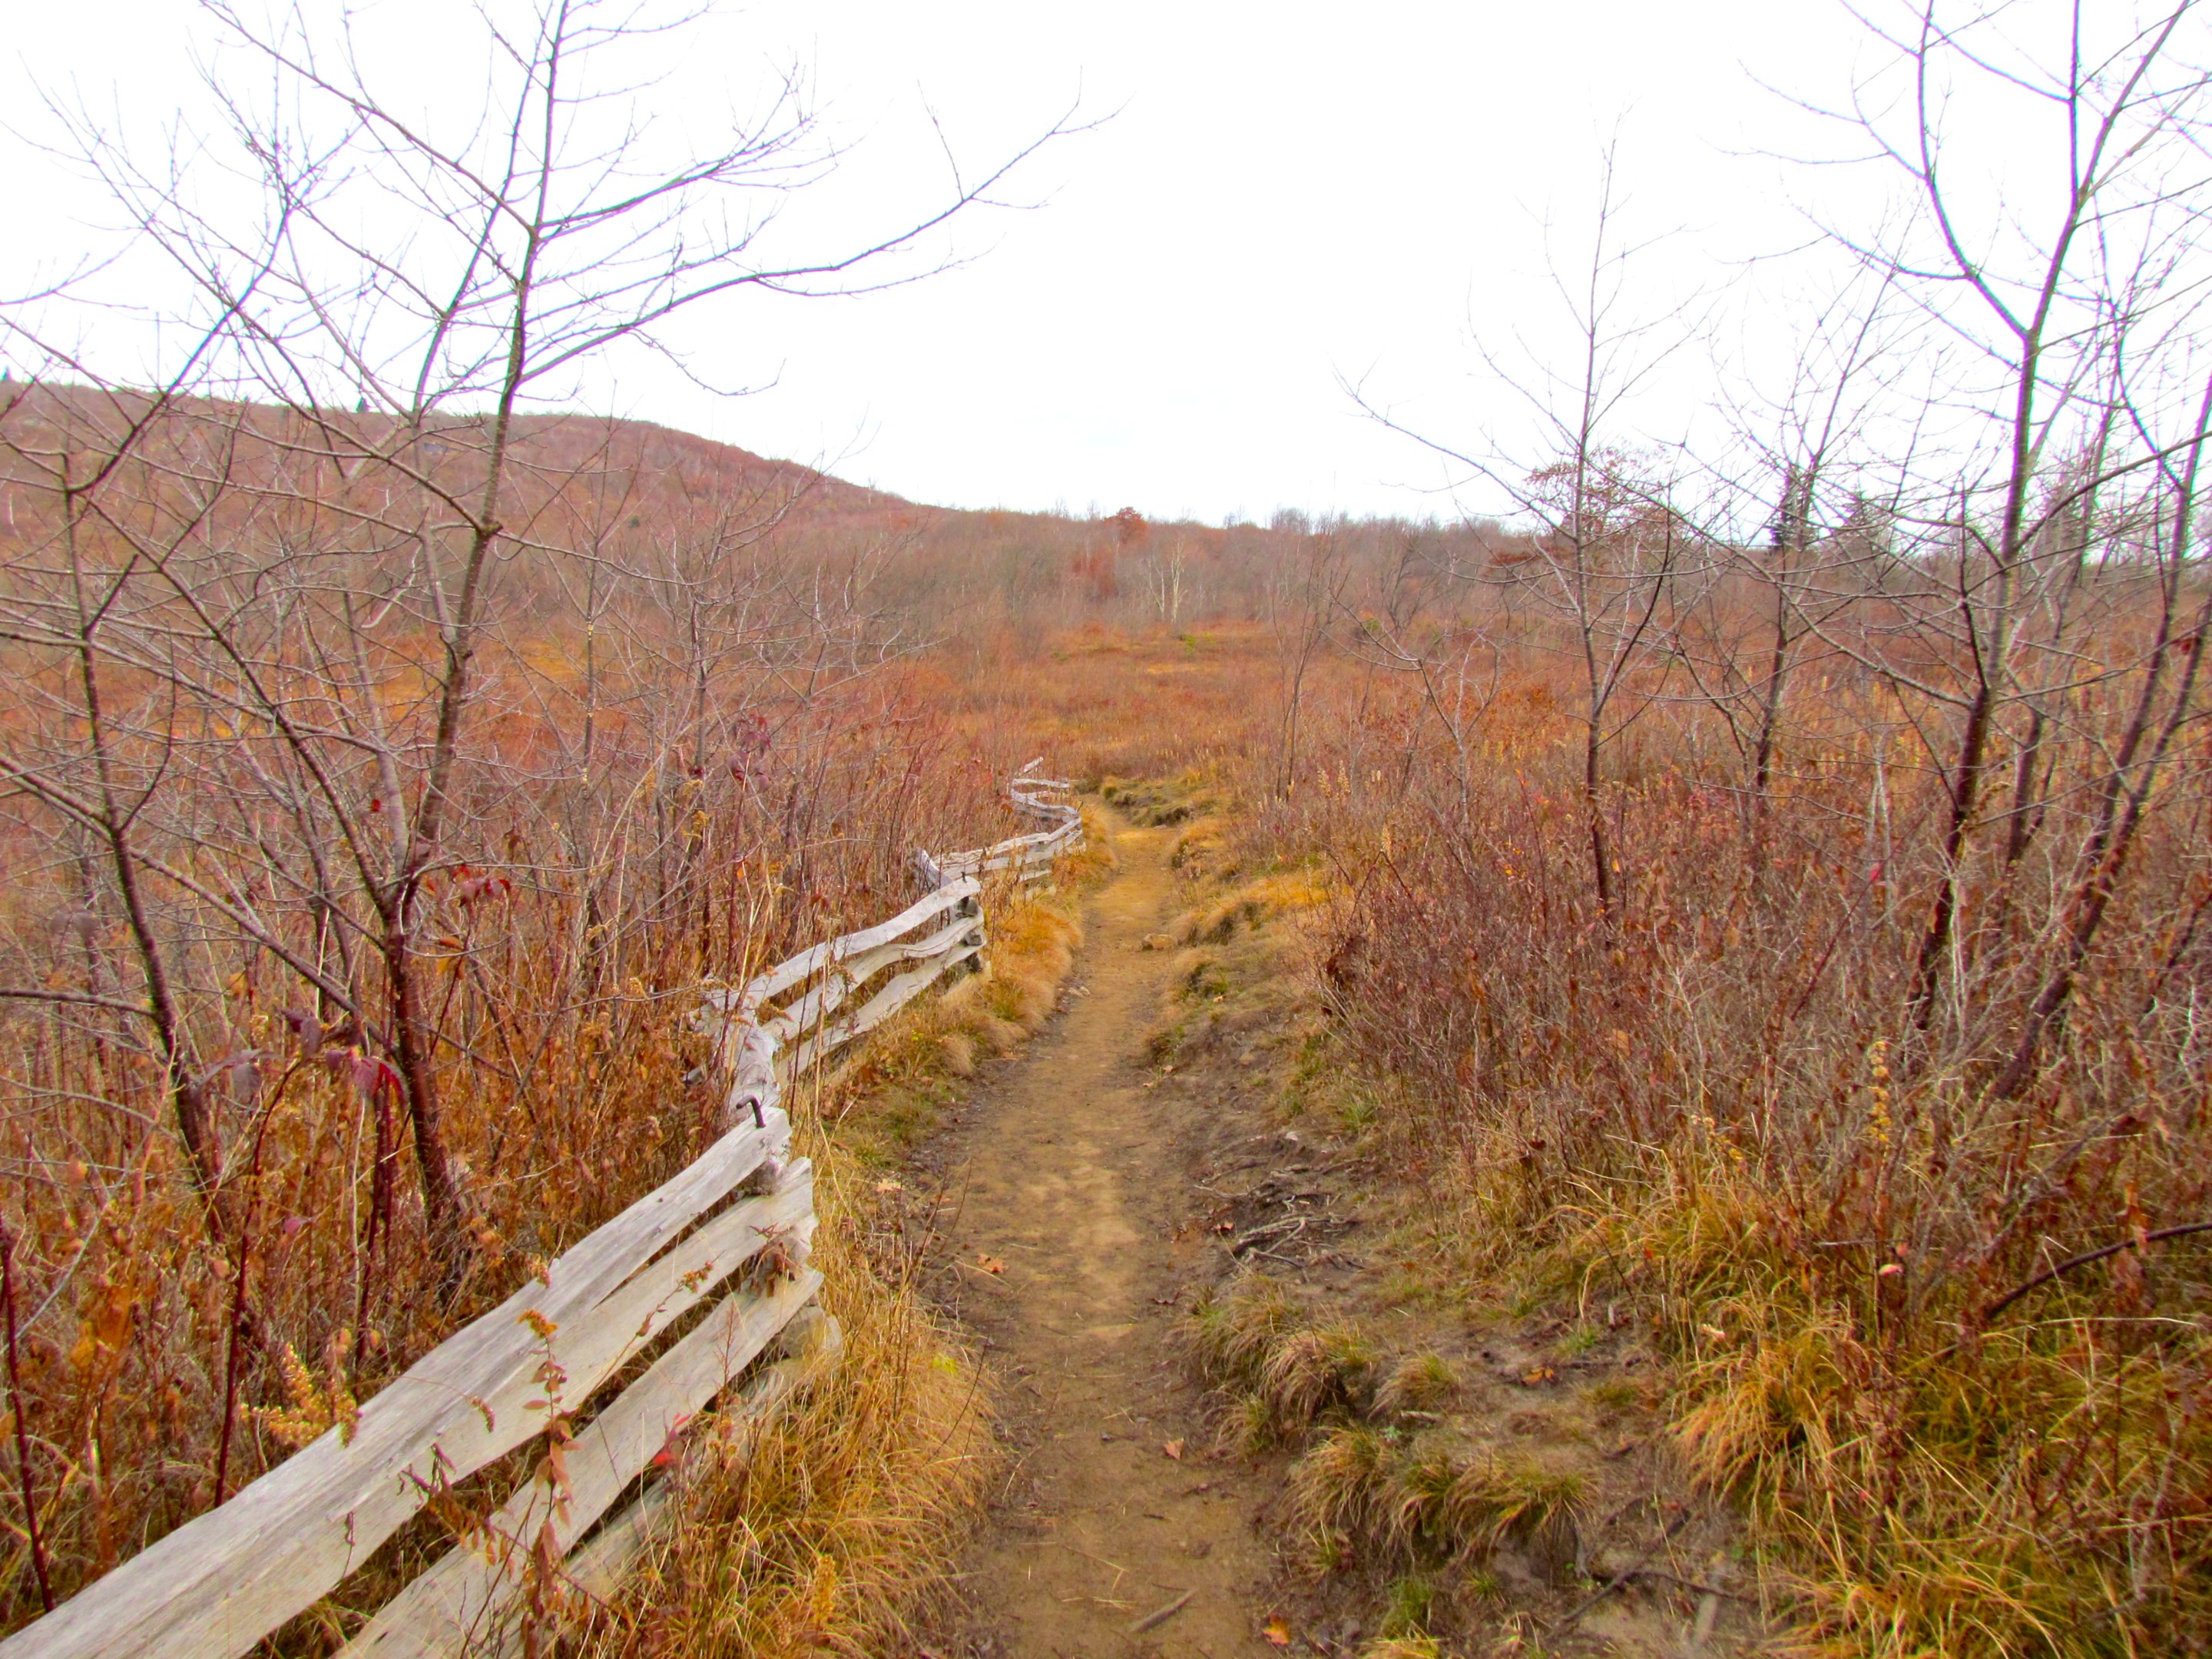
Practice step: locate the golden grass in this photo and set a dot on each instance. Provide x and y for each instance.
(832, 1532)
(1314, 1368)
(1249, 905)
(1162, 801)
(836, 1530)
(889, 1093)
(1237, 1328)
(1032, 947)
(1417, 1382)
(1422, 1501)
(1403, 1647)
(1253, 1339)
(1920, 1491)
(1337, 1485)
(1202, 846)
(1094, 860)
(1710, 1105)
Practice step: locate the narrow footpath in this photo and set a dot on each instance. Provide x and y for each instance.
(1118, 1531)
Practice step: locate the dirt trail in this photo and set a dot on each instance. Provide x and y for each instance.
(1073, 1180)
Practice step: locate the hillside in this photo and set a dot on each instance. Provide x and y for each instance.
(661, 468)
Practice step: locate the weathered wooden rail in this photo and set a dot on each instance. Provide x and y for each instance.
(723, 1248)
(1030, 854)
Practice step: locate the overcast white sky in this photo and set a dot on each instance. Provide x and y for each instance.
(1285, 194)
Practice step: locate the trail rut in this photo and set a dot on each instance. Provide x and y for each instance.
(1105, 1541)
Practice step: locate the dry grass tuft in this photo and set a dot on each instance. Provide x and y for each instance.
(1094, 860)
(1236, 1329)
(1283, 1371)
(1360, 1486)
(959, 1053)
(1339, 1484)
(1311, 1370)
(1156, 802)
(1403, 1647)
(1248, 907)
(1422, 1502)
(1418, 1505)
(1203, 848)
(1417, 1382)
(833, 1532)
(1540, 1510)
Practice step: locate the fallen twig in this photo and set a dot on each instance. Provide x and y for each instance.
(1620, 1578)
(1154, 1620)
(1290, 1225)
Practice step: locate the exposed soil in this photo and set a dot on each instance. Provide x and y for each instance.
(1090, 1192)
(1067, 1183)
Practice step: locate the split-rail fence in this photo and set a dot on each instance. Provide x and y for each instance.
(730, 1234)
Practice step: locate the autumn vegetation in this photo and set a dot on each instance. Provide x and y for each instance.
(1769, 884)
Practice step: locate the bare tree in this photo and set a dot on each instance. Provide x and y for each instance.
(2073, 312)
(445, 281)
(1607, 552)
